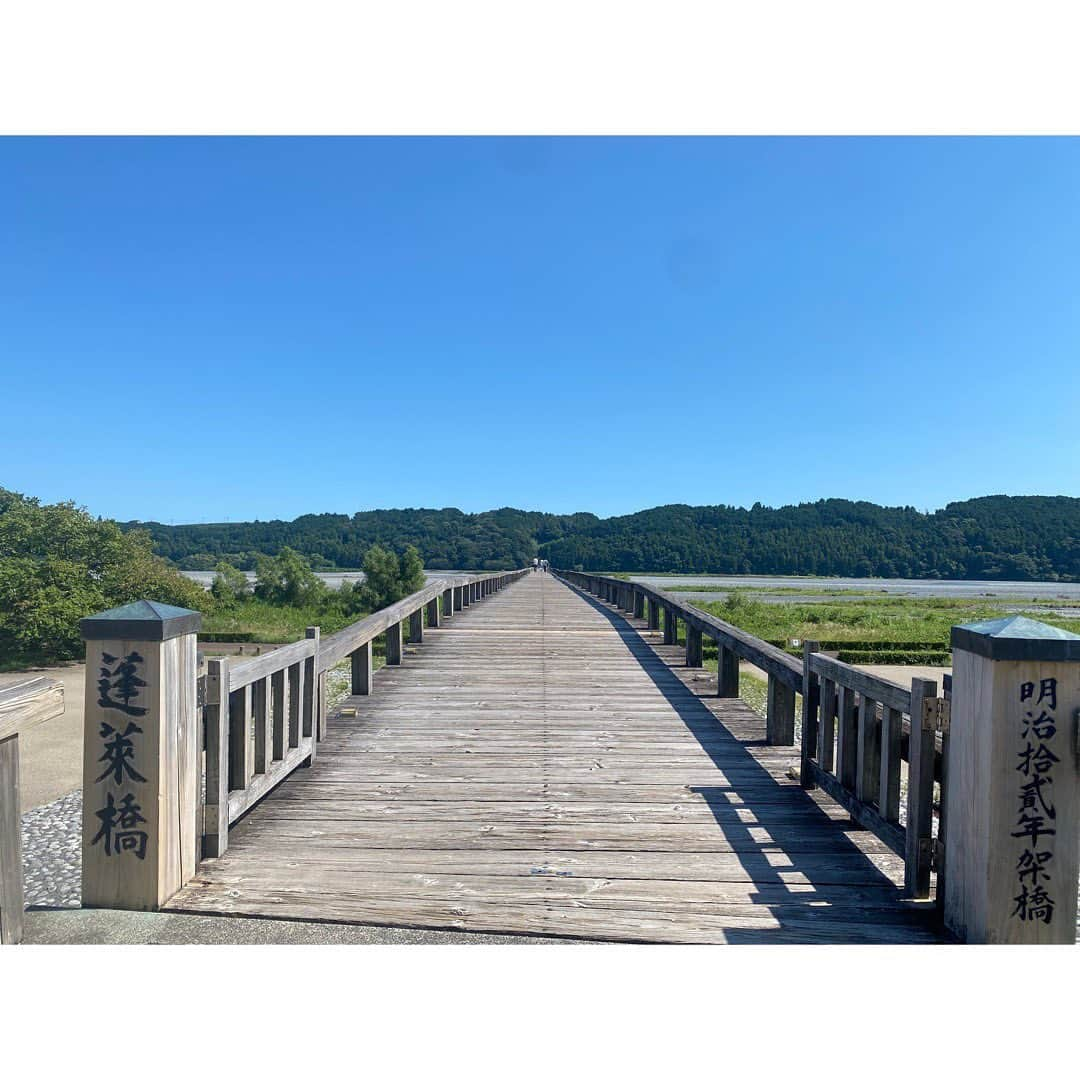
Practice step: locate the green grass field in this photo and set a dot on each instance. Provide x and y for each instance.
(884, 619)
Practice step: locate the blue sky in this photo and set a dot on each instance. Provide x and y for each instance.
(212, 329)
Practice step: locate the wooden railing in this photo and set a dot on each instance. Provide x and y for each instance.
(856, 727)
(265, 716)
(22, 705)
(858, 730)
(784, 672)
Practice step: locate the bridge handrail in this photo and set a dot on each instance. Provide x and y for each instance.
(854, 739)
(264, 716)
(334, 648)
(771, 659)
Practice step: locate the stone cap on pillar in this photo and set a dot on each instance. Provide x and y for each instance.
(144, 620)
(1017, 638)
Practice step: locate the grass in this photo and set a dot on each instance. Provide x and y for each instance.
(917, 624)
(256, 620)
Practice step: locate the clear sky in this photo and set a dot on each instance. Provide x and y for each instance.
(211, 329)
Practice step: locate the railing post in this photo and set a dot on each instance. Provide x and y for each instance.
(671, 626)
(693, 646)
(654, 614)
(780, 714)
(918, 852)
(810, 694)
(140, 755)
(314, 695)
(393, 644)
(639, 604)
(416, 626)
(1012, 798)
(727, 672)
(362, 669)
(447, 603)
(433, 613)
(12, 890)
(458, 598)
(466, 595)
(216, 716)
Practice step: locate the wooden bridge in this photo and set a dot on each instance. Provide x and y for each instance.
(543, 764)
(547, 754)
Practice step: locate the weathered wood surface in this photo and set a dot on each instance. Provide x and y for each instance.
(27, 702)
(540, 764)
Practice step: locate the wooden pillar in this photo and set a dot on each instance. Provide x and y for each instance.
(693, 646)
(727, 672)
(140, 755)
(416, 626)
(362, 669)
(23, 704)
(639, 605)
(314, 690)
(671, 626)
(810, 695)
(654, 614)
(780, 714)
(393, 644)
(216, 720)
(459, 597)
(448, 603)
(1012, 794)
(12, 892)
(466, 595)
(433, 613)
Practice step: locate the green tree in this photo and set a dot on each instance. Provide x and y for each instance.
(287, 578)
(58, 564)
(411, 574)
(230, 585)
(382, 579)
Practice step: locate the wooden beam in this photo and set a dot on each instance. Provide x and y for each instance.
(693, 647)
(920, 795)
(780, 714)
(362, 669)
(29, 702)
(727, 673)
(12, 894)
(810, 696)
(393, 645)
(216, 716)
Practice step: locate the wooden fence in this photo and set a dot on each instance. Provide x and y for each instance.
(23, 704)
(858, 731)
(857, 744)
(264, 716)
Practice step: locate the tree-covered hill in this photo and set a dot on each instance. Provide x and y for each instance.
(446, 539)
(997, 537)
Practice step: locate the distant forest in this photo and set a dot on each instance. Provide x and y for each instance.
(1000, 537)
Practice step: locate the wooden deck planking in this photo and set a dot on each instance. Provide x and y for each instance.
(541, 764)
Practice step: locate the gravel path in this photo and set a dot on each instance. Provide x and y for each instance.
(52, 853)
